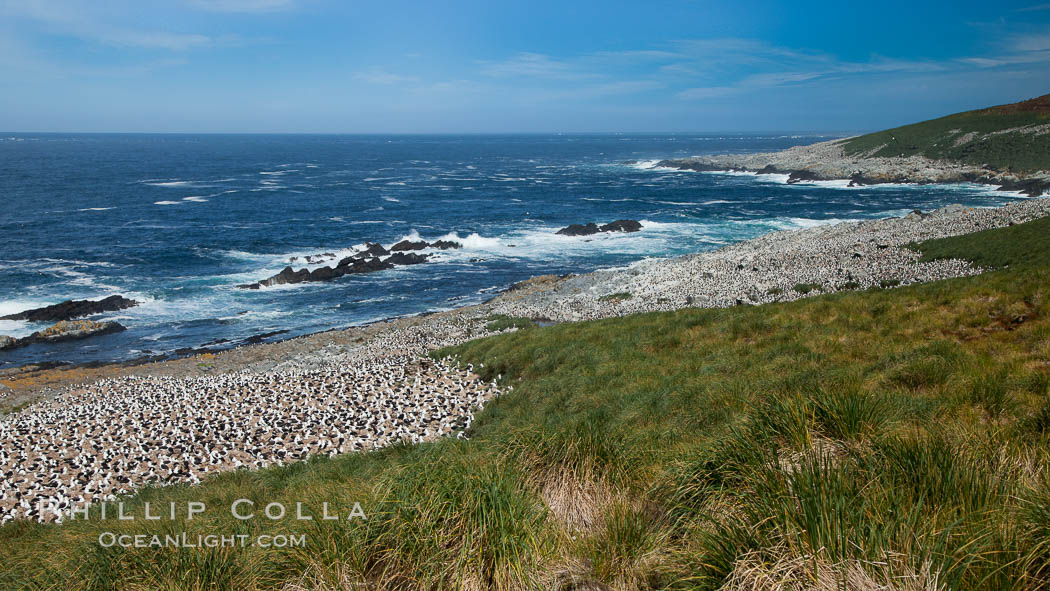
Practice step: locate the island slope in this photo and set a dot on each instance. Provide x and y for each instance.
(1005, 145)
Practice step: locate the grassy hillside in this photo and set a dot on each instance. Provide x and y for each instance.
(897, 437)
(1024, 245)
(996, 137)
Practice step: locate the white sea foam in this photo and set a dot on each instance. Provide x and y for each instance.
(175, 184)
(166, 202)
(16, 328)
(392, 199)
(96, 209)
(8, 307)
(412, 235)
(796, 223)
(473, 241)
(647, 165)
(195, 198)
(78, 278)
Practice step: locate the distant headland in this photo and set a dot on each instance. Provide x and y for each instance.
(1006, 145)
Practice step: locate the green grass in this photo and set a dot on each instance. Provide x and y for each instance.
(937, 139)
(498, 322)
(1024, 244)
(14, 409)
(879, 434)
(615, 297)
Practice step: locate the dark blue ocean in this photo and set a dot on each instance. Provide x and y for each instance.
(178, 221)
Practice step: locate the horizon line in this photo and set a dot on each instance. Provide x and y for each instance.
(811, 133)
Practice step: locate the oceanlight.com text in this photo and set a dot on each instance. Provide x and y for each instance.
(184, 540)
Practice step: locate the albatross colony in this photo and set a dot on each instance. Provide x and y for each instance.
(95, 442)
(107, 439)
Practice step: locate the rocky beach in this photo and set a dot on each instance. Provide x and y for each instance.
(80, 434)
(830, 161)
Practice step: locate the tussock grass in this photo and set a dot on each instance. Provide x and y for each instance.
(499, 322)
(1024, 244)
(882, 439)
(982, 137)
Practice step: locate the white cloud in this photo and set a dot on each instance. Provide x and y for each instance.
(534, 65)
(243, 5)
(71, 19)
(1033, 42)
(377, 75)
(706, 92)
(779, 78)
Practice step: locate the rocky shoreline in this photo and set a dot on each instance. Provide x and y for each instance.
(366, 260)
(780, 266)
(366, 387)
(827, 161)
(61, 331)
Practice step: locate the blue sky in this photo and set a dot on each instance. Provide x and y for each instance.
(353, 66)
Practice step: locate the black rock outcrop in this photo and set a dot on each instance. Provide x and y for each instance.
(802, 176)
(579, 230)
(73, 309)
(402, 258)
(363, 261)
(622, 226)
(593, 228)
(445, 244)
(64, 330)
(408, 245)
(373, 249)
(689, 165)
(350, 265)
(1032, 187)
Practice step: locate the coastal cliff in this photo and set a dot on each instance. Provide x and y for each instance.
(1007, 146)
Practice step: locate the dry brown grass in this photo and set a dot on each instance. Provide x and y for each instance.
(779, 570)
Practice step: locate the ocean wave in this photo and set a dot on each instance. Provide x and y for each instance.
(16, 305)
(167, 203)
(645, 165)
(16, 328)
(473, 241)
(176, 184)
(799, 223)
(96, 208)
